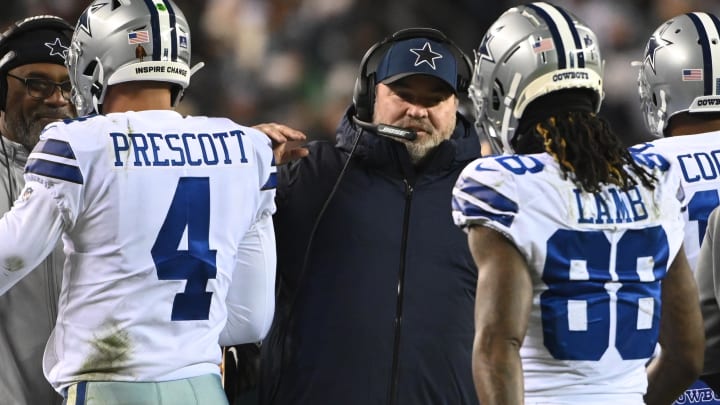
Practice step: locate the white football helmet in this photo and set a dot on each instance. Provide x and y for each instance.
(119, 41)
(680, 71)
(530, 51)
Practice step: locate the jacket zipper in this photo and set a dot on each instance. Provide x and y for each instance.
(395, 372)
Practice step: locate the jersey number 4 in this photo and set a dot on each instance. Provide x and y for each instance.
(190, 208)
(603, 294)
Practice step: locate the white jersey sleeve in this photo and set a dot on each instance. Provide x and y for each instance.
(251, 297)
(596, 262)
(28, 233)
(267, 173)
(48, 204)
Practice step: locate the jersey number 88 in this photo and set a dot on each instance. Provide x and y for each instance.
(602, 293)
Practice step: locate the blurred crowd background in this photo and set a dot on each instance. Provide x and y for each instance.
(295, 61)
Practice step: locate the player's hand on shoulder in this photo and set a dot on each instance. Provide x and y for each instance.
(286, 142)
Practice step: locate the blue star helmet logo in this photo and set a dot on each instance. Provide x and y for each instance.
(426, 55)
(57, 48)
(84, 20)
(655, 44)
(484, 48)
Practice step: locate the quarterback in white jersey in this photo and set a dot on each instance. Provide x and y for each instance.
(166, 220)
(161, 217)
(596, 261)
(578, 241)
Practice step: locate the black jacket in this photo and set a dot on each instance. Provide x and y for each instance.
(383, 313)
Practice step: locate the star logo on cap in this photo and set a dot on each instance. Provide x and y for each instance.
(57, 48)
(426, 55)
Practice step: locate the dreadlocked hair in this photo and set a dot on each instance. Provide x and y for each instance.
(584, 145)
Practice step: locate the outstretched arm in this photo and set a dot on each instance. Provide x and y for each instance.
(502, 308)
(682, 340)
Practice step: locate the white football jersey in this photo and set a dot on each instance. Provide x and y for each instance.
(167, 226)
(698, 157)
(596, 263)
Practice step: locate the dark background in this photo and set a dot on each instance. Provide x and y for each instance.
(295, 61)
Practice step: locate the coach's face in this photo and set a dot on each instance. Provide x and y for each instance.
(419, 102)
(27, 109)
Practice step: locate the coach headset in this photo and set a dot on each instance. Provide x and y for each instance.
(363, 101)
(44, 22)
(364, 92)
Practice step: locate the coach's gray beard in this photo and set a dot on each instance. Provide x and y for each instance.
(25, 132)
(419, 149)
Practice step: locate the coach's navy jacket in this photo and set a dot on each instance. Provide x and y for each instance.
(383, 313)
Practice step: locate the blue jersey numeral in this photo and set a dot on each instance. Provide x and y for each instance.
(699, 208)
(190, 208)
(582, 296)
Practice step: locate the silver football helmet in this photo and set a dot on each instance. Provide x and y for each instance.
(127, 40)
(680, 71)
(530, 51)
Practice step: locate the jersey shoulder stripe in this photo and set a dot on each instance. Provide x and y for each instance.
(56, 170)
(479, 201)
(271, 183)
(55, 147)
(485, 192)
(56, 159)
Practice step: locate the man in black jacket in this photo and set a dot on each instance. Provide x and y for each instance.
(376, 284)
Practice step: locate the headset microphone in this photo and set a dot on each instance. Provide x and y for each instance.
(387, 130)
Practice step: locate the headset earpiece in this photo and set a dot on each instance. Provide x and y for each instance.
(43, 22)
(465, 71)
(364, 91)
(364, 97)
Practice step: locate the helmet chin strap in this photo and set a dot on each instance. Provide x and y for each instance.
(96, 90)
(197, 67)
(661, 114)
(180, 94)
(509, 104)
